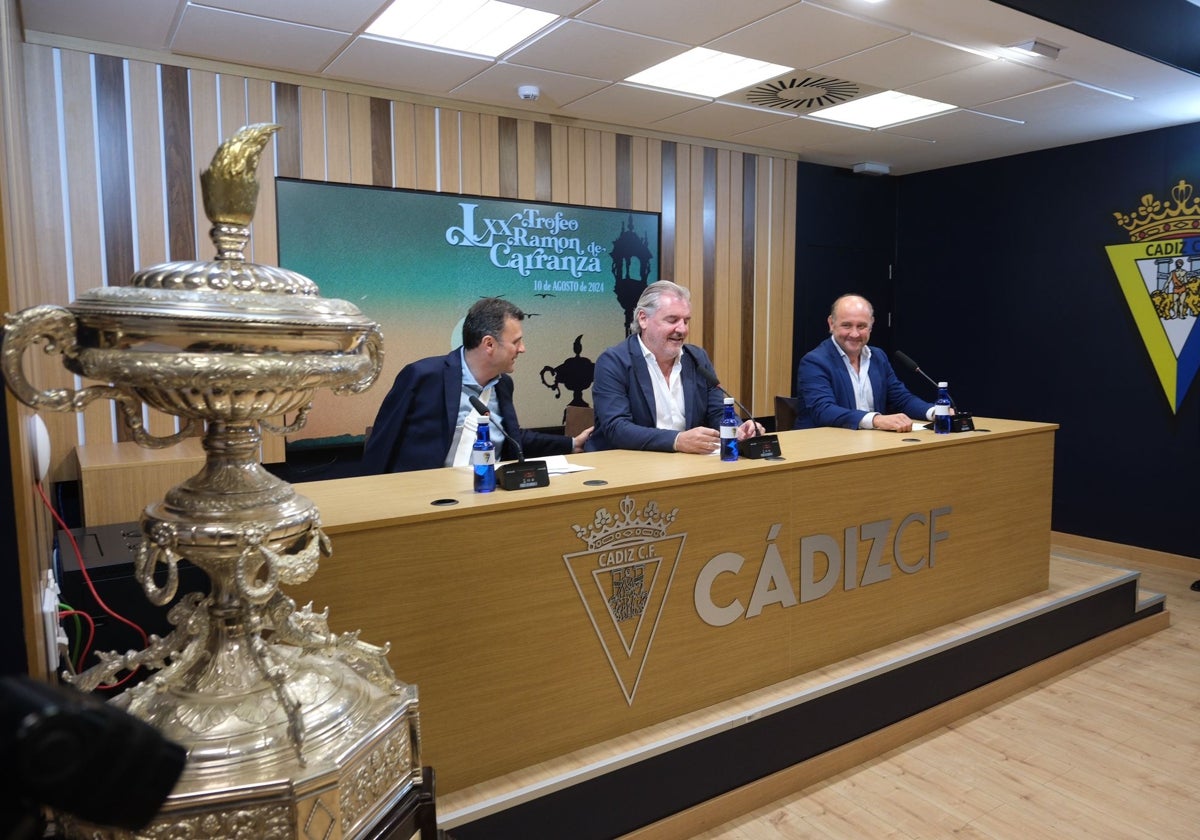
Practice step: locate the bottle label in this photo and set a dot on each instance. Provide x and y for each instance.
(482, 457)
(939, 410)
(728, 431)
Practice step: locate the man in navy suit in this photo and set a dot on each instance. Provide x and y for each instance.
(420, 423)
(843, 382)
(647, 391)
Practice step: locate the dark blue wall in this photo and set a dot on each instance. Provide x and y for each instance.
(1008, 293)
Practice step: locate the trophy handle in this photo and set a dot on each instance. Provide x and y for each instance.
(56, 327)
(373, 346)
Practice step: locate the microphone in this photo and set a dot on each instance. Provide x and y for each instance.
(961, 421)
(913, 366)
(522, 474)
(758, 446)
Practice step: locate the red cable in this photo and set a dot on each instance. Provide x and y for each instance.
(91, 587)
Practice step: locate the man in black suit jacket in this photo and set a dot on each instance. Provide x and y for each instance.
(421, 419)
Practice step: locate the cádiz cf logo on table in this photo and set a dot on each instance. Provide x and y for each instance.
(623, 579)
(1159, 273)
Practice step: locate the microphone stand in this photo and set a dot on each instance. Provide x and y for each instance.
(757, 446)
(522, 474)
(961, 421)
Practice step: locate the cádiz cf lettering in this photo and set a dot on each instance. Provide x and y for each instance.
(855, 557)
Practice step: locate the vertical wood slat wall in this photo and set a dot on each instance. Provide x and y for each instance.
(118, 144)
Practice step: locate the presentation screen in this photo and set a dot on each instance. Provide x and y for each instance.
(415, 262)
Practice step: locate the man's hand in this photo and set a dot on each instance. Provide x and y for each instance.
(698, 441)
(582, 438)
(892, 422)
(751, 428)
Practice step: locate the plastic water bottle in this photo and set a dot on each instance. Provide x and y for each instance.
(729, 427)
(941, 410)
(483, 458)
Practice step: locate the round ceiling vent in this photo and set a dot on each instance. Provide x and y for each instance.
(803, 94)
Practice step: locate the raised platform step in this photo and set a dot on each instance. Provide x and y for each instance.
(642, 782)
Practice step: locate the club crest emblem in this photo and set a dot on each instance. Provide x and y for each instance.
(1159, 273)
(623, 578)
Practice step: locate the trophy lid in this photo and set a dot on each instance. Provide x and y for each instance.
(232, 302)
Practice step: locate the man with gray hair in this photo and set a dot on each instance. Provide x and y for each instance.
(648, 390)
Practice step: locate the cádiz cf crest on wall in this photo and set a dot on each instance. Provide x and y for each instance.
(1159, 273)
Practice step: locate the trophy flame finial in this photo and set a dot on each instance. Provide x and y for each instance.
(230, 184)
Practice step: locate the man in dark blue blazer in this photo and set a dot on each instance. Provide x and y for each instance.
(419, 422)
(843, 382)
(648, 393)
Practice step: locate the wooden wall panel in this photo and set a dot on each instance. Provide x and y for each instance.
(231, 102)
(471, 153)
(560, 173)
(359, 126)
(149, 211)
(405, 144)
(83, 196)
(526, 161)
(425, 134)
(381, 142)
(543, 162)
(260, 108)
(337, 137)
(489, 141)
(449, 151)
(577, 166)
(206, 136)
(50, 278)
(112, 143)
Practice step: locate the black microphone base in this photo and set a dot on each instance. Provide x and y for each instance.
(960, 422)
(760, 446)
(522, 475)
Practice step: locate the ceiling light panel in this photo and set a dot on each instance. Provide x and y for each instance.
(707, 72)
(883, 109)
(479, 27)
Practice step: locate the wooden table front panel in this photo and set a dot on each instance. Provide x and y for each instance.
(483, 608)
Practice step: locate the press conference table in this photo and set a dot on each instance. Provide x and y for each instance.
(540, 621)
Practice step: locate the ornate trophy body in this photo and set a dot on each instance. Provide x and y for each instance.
(291, 730)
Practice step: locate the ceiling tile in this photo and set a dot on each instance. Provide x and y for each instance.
(582, 49)
(901, 63)
(255, 41)
(374, 61)
(344, 15)
(713, 120)
(498, 84)
(693, 22)
(630, 103)
(799, 133)
(804, 36)
(142, 23)
(984, 82)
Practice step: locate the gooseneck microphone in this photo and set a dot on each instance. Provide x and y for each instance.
(522, 474)
(757, 446)
(962, 421)
(480, 406)
(913, 366)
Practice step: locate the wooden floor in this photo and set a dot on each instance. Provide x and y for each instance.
(1109, 749)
